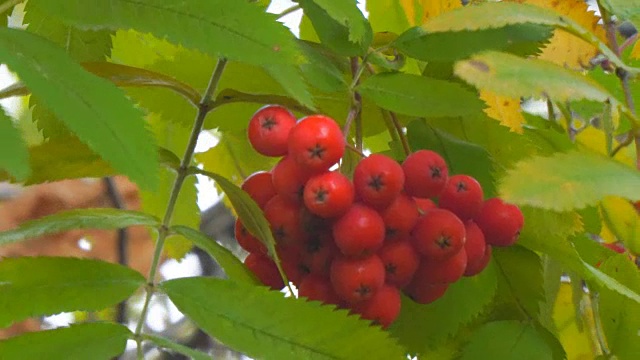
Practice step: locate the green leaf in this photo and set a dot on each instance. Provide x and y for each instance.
(77, 219)
(506, 340)
(237, 30)
(419, 96)
(461, 156)
(290, 79)
(91, 107)
(99, 341)
(420, 327)
(262, 323)
(570, 180)
(231, 265)
(521, 39)
(31, 286)
(323, 70)
(624, 9)
(347, 14)
(14, 156)
(521, 270)
(509, 75)
(387, 15)
(175, 347)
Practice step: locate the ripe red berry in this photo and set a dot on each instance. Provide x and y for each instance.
(316, 143)
(328, 194)
(424, 204)
(265, 270)
(318, 252)
(359, 232)
(383, 308)
(462, 196)
(247, 241)
(259, 186)
(400, 262)
(356, 279)
(289, 179)
(500, 222)
(444, 271)
(269, 129)
(475, 244)
(400, 217)
(284, 218)
(423, 292)
(426, 174)
(476, 267)
(291, 261)
(318, 288)
(378, 179)
(438, 234)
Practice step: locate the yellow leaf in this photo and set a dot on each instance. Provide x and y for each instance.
(576, 343)
(623, 221)
(565, 49)
(595, 140)
(419, 11)
(504, 109)
(635, 52)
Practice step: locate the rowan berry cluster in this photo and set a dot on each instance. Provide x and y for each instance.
(358, 243)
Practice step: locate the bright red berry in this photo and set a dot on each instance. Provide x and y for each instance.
(356, 279)
(359, 232)
(284, 218)
(476, 267)
(318, 252)
(400, 262)
(318, 288)
(269, 129)
(424, 204)
(328, 194)
(265, 270)
(383, 308)
(462, 196)
(444, 271)
(500, 222)
(400, 217)
(289, 179)
(378, 179)
(426, 173)
(259, 186)
(423, 292)
(316, 143)
(475, 244)
(247, 241)
(438, 234)
(291, 260)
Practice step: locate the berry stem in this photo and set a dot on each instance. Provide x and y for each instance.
(356, 150)
(288, 11)
(400, 131)
(356, 103)
(204, 107)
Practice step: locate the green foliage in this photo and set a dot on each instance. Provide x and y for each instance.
(387, 16)
(31, 286)
(77, 219)
(569, 181)
(13, 151)
(347, 14)
(231, 265)
(625, 9)
(419, 96)
(92, 108)
(99, 341)
(263, 323)
(175, 347)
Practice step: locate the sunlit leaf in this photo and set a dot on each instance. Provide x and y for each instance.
(13, 150)
(622, 219)
(505, 109)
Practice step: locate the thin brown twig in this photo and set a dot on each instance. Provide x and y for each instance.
(356, 150)
(400, 131)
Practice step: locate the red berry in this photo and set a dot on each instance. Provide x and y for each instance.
(475, 244)
(259, 186)
(400, 262)
(265, 270)
(444, 271)
(462, 196)
(617, 247)
(318, 288)
(400, 217)
(356, 279)
(284, 218)
(378, 179)
(438, 234)
(359, 232)
(291, 262)
(426, 174)
(318, 252)
(425, 293)
(328, 194)
(269, 129)
(316, 143)
(476, 267)
(289, 179)
(424, 204)
(500, 222)
(383, 308)
(247, 241)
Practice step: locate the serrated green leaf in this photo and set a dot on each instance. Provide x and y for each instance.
(94, 109)
(322, 70)
(231, 265)
(98, 218)
(175, 347)
(387, 15)
(507, 340)
(31, 286)
(99, 341)
(420, 327)
(521, 270)
(263, 323)
(509, 75)
(521, 39)
(347, 14)
(14, 156)
(290, 79)
(566, 181)
(624, 9)
(621, 316)
(237, 30)
(462, 157)
(419, 96)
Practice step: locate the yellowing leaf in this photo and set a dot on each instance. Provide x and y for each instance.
(623, 221)
(419, 11)
(576, 343)
(504, 109)
(595, 140)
